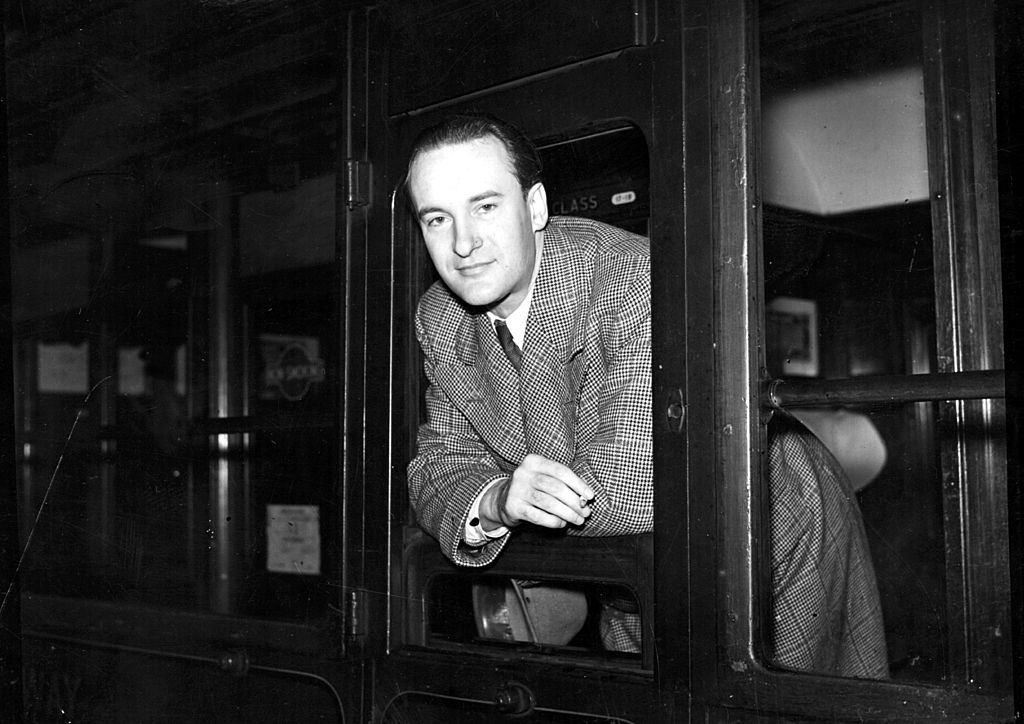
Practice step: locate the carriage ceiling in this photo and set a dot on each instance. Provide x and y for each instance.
(115, 105)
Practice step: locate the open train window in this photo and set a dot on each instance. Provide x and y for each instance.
(603, 174)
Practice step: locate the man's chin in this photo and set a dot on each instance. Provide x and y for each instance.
(477, 298)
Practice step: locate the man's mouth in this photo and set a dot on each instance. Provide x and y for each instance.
(472, 269)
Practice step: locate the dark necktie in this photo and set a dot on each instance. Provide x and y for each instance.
(512, 351)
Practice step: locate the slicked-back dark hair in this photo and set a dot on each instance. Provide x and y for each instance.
(472, 126)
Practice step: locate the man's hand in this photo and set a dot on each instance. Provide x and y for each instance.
(540, 491)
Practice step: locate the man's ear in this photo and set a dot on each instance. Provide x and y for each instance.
(537, 200)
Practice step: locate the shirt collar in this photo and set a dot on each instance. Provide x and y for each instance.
(517, 320)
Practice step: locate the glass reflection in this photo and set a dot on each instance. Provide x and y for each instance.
(848, 281)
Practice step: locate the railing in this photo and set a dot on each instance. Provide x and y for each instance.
(886, 389)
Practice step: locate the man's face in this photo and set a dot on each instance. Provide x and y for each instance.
(478, 227)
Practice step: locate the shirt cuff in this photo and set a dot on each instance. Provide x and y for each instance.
(473, 533)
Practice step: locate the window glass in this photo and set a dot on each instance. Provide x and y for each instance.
(503, 611)
(849, 293)
(289, 481)
(125, 496)
(107, 457)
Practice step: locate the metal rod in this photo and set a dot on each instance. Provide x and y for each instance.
(886, 389)
(274, 423)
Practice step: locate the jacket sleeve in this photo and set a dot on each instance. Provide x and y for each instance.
(613, 442)
(451, 467)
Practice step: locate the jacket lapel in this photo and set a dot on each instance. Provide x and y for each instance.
(482, 384)
(551, 349)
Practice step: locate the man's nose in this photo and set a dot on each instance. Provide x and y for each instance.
(465, 241)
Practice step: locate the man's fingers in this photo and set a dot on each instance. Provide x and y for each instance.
(560, 472)
(560, 501)
(539, 517)
(546, 493)
(541, 509)
(538, 498)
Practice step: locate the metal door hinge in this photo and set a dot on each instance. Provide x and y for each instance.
(357, 183)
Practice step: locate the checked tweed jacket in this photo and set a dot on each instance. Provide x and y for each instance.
(826, 615)
(583, 397)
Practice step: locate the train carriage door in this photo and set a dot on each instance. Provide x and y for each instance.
(868, 218)
(578, 80)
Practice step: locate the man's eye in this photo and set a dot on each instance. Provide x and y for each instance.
(486, 208)
(435, 221)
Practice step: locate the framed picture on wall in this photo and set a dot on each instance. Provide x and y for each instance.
(792, 337)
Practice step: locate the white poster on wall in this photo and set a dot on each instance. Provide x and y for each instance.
(131, 372)
(293, 539)
(63, 368)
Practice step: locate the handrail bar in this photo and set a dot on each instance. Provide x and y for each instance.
(983, 384)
